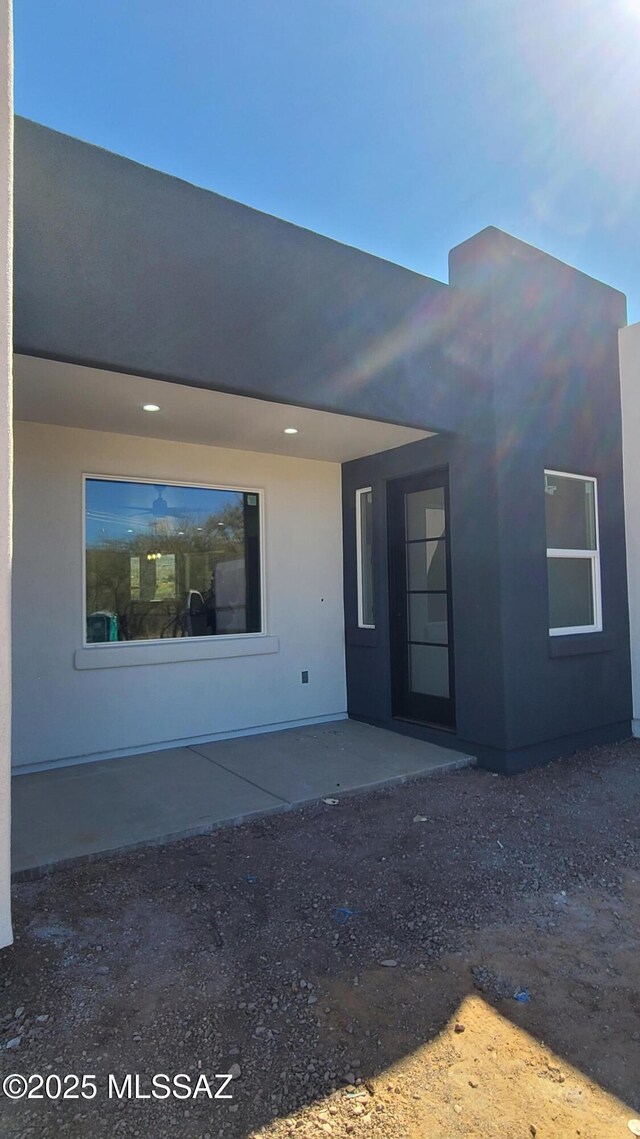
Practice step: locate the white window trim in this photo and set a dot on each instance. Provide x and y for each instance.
(591, 555)
(124, 646)
(359, 550)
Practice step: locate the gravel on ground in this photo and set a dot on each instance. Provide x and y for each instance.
(457, 956)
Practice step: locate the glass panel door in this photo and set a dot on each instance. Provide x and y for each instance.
(422, 645)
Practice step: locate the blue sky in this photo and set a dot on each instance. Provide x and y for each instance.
(399, 126)
(115, 508)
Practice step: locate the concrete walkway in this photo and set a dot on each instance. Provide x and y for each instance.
(115, 804)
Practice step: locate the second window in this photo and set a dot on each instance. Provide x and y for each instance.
(573, 556)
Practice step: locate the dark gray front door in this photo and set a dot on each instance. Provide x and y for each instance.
(421, 633)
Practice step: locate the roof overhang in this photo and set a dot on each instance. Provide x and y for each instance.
(70, 395)
(125, 269)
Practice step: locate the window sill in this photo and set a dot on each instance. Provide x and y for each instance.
(580, 644)
(132, 654)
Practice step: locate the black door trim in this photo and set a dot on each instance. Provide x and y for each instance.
(418, 708)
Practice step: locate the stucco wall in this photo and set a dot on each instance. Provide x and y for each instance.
(6, 165)
(630, 388)
(188, 286)
(61, 711)
(546, 338)
(549, 334)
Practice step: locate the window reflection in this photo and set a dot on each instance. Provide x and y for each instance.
(364, 506)
(167, 561)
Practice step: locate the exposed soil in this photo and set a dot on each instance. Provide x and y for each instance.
(262, 947)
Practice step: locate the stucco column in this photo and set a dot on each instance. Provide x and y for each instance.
(630, 391)
(6, 458)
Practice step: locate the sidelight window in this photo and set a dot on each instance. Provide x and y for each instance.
(364, 542)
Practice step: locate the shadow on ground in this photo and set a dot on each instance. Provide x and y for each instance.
(262, 947)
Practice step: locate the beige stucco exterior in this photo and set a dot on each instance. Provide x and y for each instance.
(73, 702)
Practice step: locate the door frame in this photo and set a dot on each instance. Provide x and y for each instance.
(433, 711)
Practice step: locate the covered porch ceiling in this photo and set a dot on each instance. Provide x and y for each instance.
(71, 395)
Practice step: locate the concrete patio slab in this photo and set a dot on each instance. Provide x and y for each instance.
(307, 763)
(71, 813)
(93, 808)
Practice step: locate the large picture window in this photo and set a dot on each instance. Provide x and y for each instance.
(165, 561)
(573, 556)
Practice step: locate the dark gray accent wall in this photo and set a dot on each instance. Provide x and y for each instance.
(122, 267)
(554, 342)
(544, 340)
(476, 587)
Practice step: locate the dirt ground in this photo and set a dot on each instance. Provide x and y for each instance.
(354, 966)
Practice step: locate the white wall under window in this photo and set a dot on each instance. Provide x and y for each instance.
(146, 695)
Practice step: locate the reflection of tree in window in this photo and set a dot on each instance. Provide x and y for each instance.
(183, 574)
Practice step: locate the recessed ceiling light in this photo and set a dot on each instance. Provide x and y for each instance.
(150, 407)
(291, 430)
